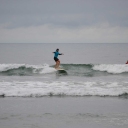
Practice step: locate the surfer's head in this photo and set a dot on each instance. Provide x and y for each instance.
(57, 49)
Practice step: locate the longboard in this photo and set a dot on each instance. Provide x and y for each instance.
(61, 70)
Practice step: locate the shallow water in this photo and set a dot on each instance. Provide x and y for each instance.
(91, 69)
(70, 112)
(92, 93)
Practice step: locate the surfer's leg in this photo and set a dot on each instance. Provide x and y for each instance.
(56, 60)
(58, 63)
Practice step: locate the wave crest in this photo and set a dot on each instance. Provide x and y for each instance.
(112, 68)
(68, 88)
(25, 69)
(87, 70)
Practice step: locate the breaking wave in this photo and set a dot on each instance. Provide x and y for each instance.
(68, 88)
(88, 70)
(112, 68)
(25, 69)
(96, 69)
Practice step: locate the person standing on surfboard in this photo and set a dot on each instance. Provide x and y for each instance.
(56, 53)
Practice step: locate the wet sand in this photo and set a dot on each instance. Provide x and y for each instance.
(64, 112)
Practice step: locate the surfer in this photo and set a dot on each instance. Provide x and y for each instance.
(127, 62)
(56, 53)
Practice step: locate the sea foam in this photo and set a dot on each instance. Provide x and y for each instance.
(63, 88)
(41, 69)
(111, 68)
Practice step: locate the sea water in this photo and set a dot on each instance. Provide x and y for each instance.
(92, 70)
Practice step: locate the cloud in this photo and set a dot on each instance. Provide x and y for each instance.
(66, 13)
(48, 33)
(68, 21)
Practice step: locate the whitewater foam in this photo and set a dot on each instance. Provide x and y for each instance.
(111, 68)
(42, 69)
(89, 70)
(57, 88)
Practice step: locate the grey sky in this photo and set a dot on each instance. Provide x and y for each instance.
(66, 21)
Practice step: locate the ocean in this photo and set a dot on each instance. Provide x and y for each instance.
(92, 70)
(95, 73)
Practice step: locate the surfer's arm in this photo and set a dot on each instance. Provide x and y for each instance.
(61, 54)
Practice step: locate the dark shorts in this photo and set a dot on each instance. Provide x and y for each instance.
(56, 59)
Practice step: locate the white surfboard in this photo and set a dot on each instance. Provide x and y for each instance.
(60, 70)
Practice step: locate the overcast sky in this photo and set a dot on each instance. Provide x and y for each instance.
(63, 21)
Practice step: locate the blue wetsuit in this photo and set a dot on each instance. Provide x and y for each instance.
(56, 55)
